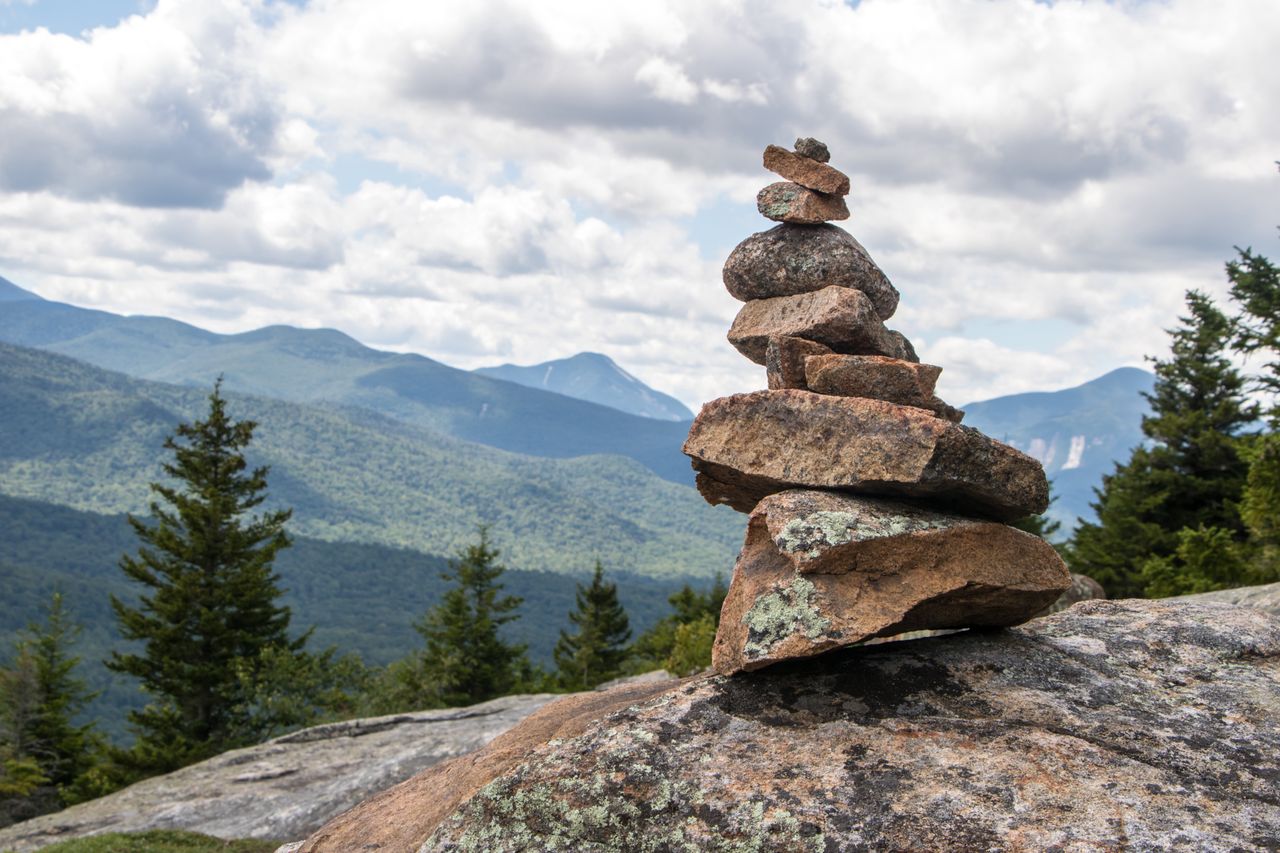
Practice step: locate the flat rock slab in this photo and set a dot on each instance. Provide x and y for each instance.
(805, 171)
(821, 570)
(791, 259)
(747, 446)
(878, 378)
(840, 319)
(287, 787)
(785, 201)
(1131, 725)
(784, 360)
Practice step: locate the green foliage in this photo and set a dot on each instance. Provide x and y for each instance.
(465, 660)
(1192, 473)
(160, 841)
(1255, 287)
(285, 689)
(209, 611)
(654, 648)
(691, 646)
(595, 652)
(1260, 506)
(86, 438)
(1206, 558)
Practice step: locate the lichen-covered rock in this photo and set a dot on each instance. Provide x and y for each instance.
(839, 318)
(821, 570)
(784, 360)
(747, 446)
(787, 202)
(287, 787)
(878, 378)
(805, 171)
(1131, 725)
(790, 259)
(807, 146)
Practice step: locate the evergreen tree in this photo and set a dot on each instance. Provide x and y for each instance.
(209, 606)
(1191, 473)
(40, 697)
(1255, 287)
(595, 652)
(466, 660)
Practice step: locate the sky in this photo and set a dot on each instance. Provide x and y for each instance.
(498, 182)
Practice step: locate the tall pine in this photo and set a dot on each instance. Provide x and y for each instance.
(209, 605)
(596, 650)
(466, 660)
(1189, 474)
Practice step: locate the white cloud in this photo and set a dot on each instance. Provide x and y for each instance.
(1042, 182)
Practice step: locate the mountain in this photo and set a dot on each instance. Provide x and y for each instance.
(361, 598)
(90, 439)
(10, 292)
(1078, 434)
(596, 378)
(326, 366)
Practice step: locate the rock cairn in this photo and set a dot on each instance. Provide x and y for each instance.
(873, 512)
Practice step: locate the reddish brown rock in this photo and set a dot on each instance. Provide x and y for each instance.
(788, 202)
(836, 317)
(805, 171)
(748, 446)
(784, 360)
(821, 570)
(877, 378)
(791, 259)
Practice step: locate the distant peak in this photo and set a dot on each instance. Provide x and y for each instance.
(11, 292)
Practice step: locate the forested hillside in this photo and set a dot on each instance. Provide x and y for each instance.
(83, 437)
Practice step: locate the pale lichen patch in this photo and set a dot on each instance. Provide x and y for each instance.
(788, 610)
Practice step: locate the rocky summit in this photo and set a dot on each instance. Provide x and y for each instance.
(1131, 725)
(850, 414)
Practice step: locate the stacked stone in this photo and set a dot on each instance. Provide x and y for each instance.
(873, 512)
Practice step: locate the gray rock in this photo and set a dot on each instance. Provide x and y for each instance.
(287, 787)
(790, 259)
(788, 202)
(1130, 725)
(807, 146)
(1265, 597)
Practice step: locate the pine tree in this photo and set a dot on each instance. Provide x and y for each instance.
(209, 606)
(466, 660)
(595, 652)
(40, 697)
(1255, 287)
(1191, 473)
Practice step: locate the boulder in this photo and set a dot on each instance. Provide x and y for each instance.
(840, 319)
(287, 787)
(1129, 725)
(878, 378)
(821, 570)
(790, 259)
(809, 147)
(784, 360)
(1265, 597)
(787, 202)
(805, 171)
(747, 446)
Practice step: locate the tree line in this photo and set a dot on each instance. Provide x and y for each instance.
(212, 649)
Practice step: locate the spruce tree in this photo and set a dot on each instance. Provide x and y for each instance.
(40, 698)
(466, 660)
(596, 650)
(209, 605)
(1190, 474)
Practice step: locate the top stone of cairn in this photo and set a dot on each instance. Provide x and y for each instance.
(807, 146)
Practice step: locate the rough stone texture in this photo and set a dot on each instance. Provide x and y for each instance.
(1265, 597)
(747, 446)
(821, 570)
(1130, 725)
(790, 259)
(1083, 588)
(784, 360)
(287, 787)
(787, 202)
(805, 171)
(902, 347)
(841, 319)
(807, 146)
(399, 818)
(878, 378)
